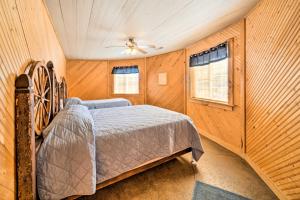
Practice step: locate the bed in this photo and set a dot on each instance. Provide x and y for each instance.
(79, 150)
(101, 103)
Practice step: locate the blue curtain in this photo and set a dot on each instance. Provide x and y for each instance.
(214, 54)
(125, 70)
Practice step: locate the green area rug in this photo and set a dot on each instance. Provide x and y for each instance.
(204, 191)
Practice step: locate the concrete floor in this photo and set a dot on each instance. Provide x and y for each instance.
(175, 179)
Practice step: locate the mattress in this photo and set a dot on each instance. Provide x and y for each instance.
(127, 137)
(84, 147)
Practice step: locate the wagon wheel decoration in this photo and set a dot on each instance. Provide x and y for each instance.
(42, 95)
(55, 89)
(55, 96)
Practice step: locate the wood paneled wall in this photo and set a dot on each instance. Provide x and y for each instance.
(25, 33)
(264, 125)
(93, 79)
(170, 96)
(135, 99)
(88, 79)
(225, 125)
(273, 94)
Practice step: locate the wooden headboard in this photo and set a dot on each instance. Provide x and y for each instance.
(38, 98)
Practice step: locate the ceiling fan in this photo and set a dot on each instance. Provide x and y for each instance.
(131, 47)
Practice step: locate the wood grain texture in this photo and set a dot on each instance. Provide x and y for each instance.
(93, 79)
(21, 22)
(87, 80)
(225, 126)
(135, 98)
(40, 36)
(81, 72)
(170, 96)
(272, 94)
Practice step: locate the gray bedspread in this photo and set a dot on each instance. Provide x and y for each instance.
(127, 137)
(106, 103)
(66, 160)
(83, 147)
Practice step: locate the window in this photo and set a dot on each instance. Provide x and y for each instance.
(209, 75)
(126, 80)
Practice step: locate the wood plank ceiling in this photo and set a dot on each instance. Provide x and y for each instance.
(86, 27)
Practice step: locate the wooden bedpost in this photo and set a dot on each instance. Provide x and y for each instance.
(25, 138)
(63, 92)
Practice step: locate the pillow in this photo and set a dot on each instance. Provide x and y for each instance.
(72, 101)
(73, 118)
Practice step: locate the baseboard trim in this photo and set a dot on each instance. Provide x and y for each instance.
(245, 157)
(265, 178)
(224, 144)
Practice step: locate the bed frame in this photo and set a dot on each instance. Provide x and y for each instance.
(39, 96)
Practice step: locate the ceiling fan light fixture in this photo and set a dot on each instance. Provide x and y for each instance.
(132, 48)
(133, 51)
(130, 51)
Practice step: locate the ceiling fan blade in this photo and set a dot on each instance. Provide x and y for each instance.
(115, 46)
(141, 50)
(149, 46)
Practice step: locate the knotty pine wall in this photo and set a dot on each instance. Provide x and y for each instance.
(273, 94)
(223, 124)
(171, 95)
(25, 33)
(93, 79)
(88, 79)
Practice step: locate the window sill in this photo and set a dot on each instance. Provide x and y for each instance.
(213, 104)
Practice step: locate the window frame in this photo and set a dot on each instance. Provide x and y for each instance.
(138, 82)
(215, 103)
(112, 86)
